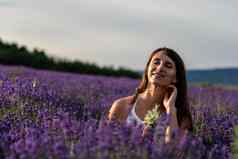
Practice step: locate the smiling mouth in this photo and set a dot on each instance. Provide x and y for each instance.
(158, 76)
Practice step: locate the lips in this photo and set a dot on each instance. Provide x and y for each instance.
(158, 75)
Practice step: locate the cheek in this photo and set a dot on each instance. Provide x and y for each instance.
(173, 75)
(150, 69)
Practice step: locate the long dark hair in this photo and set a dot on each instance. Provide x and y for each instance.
(182, 105)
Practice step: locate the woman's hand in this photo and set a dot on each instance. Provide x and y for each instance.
(146, 130)
(169, 104)
(170, 99)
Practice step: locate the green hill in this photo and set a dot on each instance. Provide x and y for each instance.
(13, 54)
(227, 76)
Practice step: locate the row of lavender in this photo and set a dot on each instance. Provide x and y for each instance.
(58, 115)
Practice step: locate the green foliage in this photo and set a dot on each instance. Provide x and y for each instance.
(205, 84)
(198, 127)
(235, 143)
(152, 116)
(9, 109)
(12, 54)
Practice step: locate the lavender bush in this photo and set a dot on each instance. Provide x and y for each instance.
(50, 115)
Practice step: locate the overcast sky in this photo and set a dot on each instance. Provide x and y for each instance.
(124, 32)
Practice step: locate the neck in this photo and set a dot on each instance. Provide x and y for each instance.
(154, 94)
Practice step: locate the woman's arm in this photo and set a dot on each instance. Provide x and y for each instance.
(172, 125)
(183, 128)
(115, 111)
(169, 103)
(118, 110)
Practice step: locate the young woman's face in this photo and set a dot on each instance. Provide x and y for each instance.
(161, 70)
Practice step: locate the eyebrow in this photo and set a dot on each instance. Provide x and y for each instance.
(156, 59)
(168, 62)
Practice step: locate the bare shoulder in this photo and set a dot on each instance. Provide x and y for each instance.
(124, 100)
(119, 108)
(122, 103)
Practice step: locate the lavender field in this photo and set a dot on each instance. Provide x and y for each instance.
(51, 115)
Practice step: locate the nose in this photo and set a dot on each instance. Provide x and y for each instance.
(160, 67)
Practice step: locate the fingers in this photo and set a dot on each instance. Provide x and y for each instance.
(172, 86)
(172, 92)
(170, 95)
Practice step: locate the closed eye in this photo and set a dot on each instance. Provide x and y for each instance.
(156, 61)
(169, 65)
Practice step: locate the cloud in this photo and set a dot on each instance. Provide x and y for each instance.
(8, 3)
(113, 32)
(199, 35)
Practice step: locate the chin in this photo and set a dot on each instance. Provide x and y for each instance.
(158, 83)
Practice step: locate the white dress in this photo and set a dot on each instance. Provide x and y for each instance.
(133, 118)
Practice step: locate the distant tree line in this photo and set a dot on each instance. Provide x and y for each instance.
(13, 54)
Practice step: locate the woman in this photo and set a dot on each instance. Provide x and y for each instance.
(163, 83)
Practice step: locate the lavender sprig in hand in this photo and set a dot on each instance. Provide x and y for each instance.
(151, 117)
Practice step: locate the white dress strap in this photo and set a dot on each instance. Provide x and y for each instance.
(132, 116)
